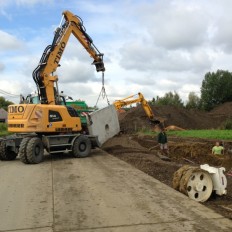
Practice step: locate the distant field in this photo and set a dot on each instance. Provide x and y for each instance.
(205, 134)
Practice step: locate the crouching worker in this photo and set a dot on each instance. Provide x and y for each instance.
(217, 149)
(163, 141)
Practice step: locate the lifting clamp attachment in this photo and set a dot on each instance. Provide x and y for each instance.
(102, 92)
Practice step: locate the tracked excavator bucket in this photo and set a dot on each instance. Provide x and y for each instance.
(103, 123)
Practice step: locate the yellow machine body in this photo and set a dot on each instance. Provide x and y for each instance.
(40, 118)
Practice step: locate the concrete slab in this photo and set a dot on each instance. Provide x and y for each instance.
(104, 123)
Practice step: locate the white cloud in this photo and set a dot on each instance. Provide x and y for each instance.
(92, 7)
(74, 70)
(173, 26)
(9, 42)
(151, 47)
(150, 57)
(14, 87)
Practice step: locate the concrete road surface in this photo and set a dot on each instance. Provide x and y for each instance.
(100, 193)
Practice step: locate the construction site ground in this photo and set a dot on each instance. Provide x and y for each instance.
(123, 186)
(99, 193)
(134, 149)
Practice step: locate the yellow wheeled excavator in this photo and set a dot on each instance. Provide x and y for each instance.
(51, 124)
(140, 99)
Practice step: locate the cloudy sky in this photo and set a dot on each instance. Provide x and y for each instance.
(149, 46)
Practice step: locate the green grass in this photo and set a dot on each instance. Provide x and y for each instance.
(3, 129)
(204, 134)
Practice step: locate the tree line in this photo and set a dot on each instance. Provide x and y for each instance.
(216, 89)
(5, 103)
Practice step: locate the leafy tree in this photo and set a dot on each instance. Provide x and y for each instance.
(5, 103)
(193, 101)
(152, 101)
(171, 99)
(216, 89)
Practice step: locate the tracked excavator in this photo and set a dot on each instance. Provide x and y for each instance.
(139, 99)
(50, 124)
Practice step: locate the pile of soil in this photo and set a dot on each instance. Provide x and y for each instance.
(135, 119)
(224, 109)
(135, 151)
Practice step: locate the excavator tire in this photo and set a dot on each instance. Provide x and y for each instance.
(81, 147)
(35, 150)
(6, 154)
(23, 151)
(178, 175)
(2, 150)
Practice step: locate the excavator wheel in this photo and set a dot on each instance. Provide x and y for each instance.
(81, 147)
(2, 151)
(199, 185)
(6, 154)
(177, 176)
(35, 150)
(193, 182)
(22, 150)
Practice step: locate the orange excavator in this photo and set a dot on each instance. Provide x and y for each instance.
(50, 124)
(140, 99)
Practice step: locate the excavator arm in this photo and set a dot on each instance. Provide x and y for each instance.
(43, 75)
(140, 99)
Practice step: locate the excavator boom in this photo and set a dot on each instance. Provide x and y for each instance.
(42, 75)
(140, 99)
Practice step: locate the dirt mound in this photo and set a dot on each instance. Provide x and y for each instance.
(224, 109)
(136, 119)
(174, 128)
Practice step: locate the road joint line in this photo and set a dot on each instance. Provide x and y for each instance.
(31, 228)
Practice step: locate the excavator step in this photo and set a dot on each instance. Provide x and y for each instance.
(60, 145)
(60, 151)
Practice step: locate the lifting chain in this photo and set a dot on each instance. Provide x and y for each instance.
(102, 92)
